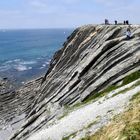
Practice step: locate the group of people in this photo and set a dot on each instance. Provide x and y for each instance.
(126, 22)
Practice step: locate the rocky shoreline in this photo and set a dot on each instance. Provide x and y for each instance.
(5, 86)
(15, 104)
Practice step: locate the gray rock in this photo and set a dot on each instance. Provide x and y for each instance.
(93, 58)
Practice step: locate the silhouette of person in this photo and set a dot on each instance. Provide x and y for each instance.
(106, 22)
(124, 22)
(127, 22)
(116, 22)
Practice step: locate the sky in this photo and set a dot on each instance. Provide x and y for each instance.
(65, 13)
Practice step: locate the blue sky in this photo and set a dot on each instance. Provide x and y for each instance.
(65, 13)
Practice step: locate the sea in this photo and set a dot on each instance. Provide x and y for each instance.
(26, 54)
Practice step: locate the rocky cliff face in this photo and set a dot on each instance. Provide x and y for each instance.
(93, 58)
(15, 105)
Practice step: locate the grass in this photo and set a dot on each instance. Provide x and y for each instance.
(85, 138)
(68, 137)
(132, 77)
(127, 89)
(136, 97)
(101, 94)
(91, 124)
(63, 115)
(96, 96)
(125, 126)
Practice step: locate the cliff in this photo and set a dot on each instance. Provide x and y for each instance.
(93, 59)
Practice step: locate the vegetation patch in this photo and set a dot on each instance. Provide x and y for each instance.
(63, 115)
(132, 77)
(91, 124)
(88, 138)
(125, 126)
(136, 97)
(127, 89)
(101, 94)
(70, 136)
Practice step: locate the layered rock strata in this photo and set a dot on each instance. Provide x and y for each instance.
(93, 58)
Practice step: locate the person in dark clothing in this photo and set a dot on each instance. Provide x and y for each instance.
(116, 22)
(124, 22)
(127, 22)
(106, 22)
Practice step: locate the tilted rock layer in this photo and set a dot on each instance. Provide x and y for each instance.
(93, 57)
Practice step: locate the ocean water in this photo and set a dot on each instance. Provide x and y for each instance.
(26, 54)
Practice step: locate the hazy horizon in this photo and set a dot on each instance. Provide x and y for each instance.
(52, 14)
(38, 28)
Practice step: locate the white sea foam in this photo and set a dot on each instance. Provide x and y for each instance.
(41, 67)
(8, 62)
(29, 68)
(28, 62)
(22, 68)
(16, 60)
(44, 65)
(4, 68)
(17, 64)
(48, 62)
(19, 61)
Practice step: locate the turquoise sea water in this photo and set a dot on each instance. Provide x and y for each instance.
(25, 54)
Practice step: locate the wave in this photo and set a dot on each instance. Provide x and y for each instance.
(28, 62)
(24, 65)
(17, 64)
(8, 62)
(19, 61)
(45, 64)
(4, 68)
(22, 68)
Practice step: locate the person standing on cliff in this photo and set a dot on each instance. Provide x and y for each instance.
(106, 22)
(124, 22)
(127, 22)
